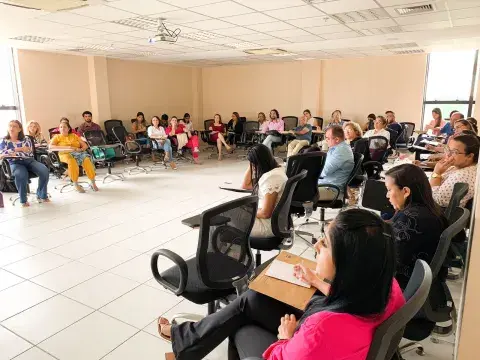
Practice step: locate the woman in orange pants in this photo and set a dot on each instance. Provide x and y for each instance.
(72, 151)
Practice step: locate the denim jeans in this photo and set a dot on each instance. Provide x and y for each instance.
(20, 169)
(270, 140)
(166, 146)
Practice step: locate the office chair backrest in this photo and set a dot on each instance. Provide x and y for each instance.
(357, 163)
(110, 124)
(95, 137)
(346, 120)
(307, 188)
(223, 251)
(393, 137)
(120, 133)
(378, 148)
(362, 146)
(458, 193)
(208, 123)
(387, 336)
(371, 125)
(290, 122)
(50, 132)
(320, 121)
(375, 196)
(242, 119)
(408, 129)
(281, 219)
(250, 126)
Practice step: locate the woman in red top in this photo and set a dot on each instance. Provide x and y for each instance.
(217, 134)
(356, 293)
(175, 129)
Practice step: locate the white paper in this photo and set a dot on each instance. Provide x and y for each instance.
(284, 271)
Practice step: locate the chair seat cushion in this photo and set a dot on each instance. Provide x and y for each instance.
(267, 244)
(195, 290)
(252, 341)
(328, 204)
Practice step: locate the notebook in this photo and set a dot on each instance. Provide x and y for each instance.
(284, 271)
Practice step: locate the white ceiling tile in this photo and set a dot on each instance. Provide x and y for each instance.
(183, 28)
(289, 33)
(194, 43)
(427, 26)
(386, 3)
(262, 5)
(117, 37)
(341, 6)
(270, 42)
(222, 9)
(466, 22)
(237, 30)
(222, 41)
(110, 27)
(82, 32)
(465, 13)
(181, 16)
(189, 3)
(144, 34)
(303, 38)
(313, 21)
(102, 12)
(91, 40)
(424, 18)
(249, 19)
(375, 24)
(297, 12)
(327, 29)
(341, 35)
(273, 26)
(461, 4)
(68, 18)
(210, 25)
(254, 37)
(142, 7)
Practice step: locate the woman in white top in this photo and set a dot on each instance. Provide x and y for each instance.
(309, 119)
(161, 141)
(266, 178)
(188, 122)
(379, 130)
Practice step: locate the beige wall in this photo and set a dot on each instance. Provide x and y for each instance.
(53, 86)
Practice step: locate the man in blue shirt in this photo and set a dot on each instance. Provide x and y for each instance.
(303, 137)
(338, 165)
(393, 124)
(448, 129)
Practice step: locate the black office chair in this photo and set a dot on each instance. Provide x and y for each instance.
(281, 220)
(393, 138)
(458, 193)
(439, 306)
(290, 122)
(378, 154)
(60, 170)
(109, 125)
(305, 196)
(223, 255)
(205, 136)
(132, 148)
(341, 194)
(406, 139)
(108, 154)
(254, 340)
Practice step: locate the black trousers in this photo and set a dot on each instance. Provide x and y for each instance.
(194, 340)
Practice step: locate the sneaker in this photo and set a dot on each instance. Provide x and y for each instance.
(173, 166)
(196, 150)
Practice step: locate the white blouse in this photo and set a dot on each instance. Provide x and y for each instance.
(382, 132)
(155, 133)
(443, 192)
(270, 182)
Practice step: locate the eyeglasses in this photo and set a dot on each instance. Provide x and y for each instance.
(448, 151)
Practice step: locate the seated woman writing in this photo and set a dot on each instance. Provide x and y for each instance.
(162, 142)
(217, 134)
(72, 151)
(19, 148)
(357, 249)
(267, 179)
(184, 138)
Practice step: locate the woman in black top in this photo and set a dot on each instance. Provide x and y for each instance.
(234, 128)
(418, 222)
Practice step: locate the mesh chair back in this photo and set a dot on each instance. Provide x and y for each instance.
(120, 133)
(307, 188)
(378, 147)
(290, 122)
(223, 252)
(95, 137)
(249, 133)
(458, 193)
(281, 219)
(250, 126)
(357, 163)
(362, 146)
(208, 123)
(408, 128)
(110, 124)
(320, 121)
(387, 336)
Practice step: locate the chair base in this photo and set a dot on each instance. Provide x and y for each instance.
(136, 170)
(113, 177)
(410, 347)
(180, 318)
(70, 186)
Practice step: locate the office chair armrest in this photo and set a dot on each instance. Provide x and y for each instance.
(5, 166)
(334, 187)
(138, 151)
(182, 266)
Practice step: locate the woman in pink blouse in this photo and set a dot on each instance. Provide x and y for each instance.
(277, 125)
(356, 293)
(437, 123)
(262, 123)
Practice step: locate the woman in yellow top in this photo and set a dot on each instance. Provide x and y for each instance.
(72, 151)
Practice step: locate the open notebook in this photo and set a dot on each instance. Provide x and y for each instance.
(284, 271)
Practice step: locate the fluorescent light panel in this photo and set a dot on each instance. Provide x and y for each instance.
(139, 22)
(33, 38)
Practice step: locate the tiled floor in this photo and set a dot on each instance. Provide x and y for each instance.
(75, 279)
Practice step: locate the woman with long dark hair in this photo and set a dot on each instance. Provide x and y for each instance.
(418, 221)
(437, 123)
(234, 129)
(356, 292)
(266, 178)
(217, 134)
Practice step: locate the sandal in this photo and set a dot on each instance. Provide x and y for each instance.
(94, 186)
(160, 323)
(173, 166)
(79, 188)
(26, 204)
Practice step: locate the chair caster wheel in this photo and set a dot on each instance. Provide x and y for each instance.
(434, 340)
(420, 351)
(314, 240)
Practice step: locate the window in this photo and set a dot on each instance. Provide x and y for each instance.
(451, 83)
(8, 89)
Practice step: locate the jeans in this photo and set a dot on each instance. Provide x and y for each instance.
(166, 146)
(270, 140)
(20, 169)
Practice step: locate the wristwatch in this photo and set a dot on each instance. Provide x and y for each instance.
(435, 175)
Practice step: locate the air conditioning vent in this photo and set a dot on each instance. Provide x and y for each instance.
(47, 5)
(419, 9)
(363, 15)
(266, 51)
(32, 38)
(139, 22)
(399, 46)
(408, 52)
(202, 35)
(381, 31)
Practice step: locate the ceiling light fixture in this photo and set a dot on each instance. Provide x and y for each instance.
(139, 22)
(241, 45)
(202, 36)
(33, 38)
